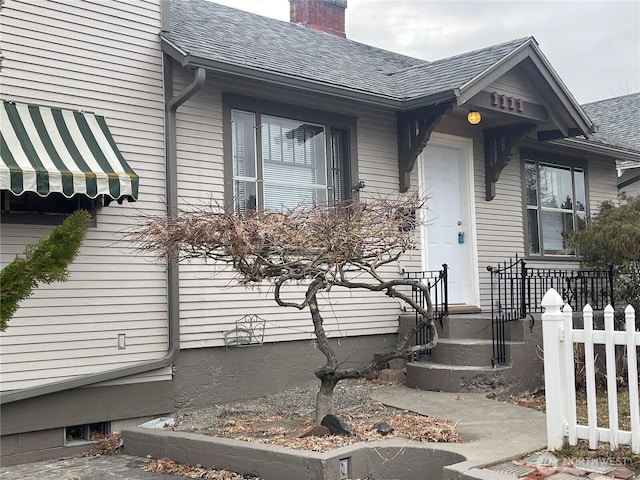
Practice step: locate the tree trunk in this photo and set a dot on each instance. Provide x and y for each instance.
(324, 400)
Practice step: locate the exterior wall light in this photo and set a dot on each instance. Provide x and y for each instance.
(474, 117)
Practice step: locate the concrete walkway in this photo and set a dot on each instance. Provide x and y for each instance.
(492, 431)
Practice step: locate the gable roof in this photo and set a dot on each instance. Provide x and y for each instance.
(227, 40)
(454, 72)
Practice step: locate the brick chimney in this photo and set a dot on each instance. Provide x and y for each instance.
(324, 15)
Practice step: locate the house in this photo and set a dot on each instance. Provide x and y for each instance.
(208, 103)
(619, 122)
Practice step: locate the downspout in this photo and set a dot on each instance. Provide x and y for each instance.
(173, 303)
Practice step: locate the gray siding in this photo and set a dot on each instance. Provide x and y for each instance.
(102, 57)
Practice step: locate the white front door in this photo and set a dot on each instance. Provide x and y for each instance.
(449, 235)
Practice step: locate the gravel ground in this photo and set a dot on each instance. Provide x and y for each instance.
(350, 397)
(286, 418)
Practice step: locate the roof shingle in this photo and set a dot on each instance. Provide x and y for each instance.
(216, 33)
(617, 118)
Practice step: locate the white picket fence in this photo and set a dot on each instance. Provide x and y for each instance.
(559, 338)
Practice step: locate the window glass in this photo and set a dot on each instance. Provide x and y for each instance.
(581, 196)
(531, 180)
(554, 224)
(532, 226)
(556, 204)
(290, 163)
(338, 160)
(556, 189)
(244, 161)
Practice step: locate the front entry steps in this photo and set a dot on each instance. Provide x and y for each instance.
(461, 361)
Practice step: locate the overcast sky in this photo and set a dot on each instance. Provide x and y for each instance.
(593, 45)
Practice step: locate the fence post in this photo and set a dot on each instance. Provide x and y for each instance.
(610, 357)
(630, 324)
(555, 382)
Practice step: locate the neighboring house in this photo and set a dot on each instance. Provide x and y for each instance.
(618, 119)
(212, 104)
(82, 124)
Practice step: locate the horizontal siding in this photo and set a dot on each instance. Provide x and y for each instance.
(102, 57)
(211, 301)
(603, 183)
(512, 84)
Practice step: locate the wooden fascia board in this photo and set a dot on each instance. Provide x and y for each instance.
(565, 91)
(174, 51)
(414, 130)
(610, 151)
(499, 144)
(561, 94)
(629, 181)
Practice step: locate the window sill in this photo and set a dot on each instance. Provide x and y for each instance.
(553, 258)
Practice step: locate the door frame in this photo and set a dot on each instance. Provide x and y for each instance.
(464, 147)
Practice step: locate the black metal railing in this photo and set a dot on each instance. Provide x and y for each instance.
(436, 282)
(517, 290)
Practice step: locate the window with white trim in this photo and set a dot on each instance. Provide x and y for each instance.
(556, 204)
(280, 161)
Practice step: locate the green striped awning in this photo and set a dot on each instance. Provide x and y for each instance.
(51, 150)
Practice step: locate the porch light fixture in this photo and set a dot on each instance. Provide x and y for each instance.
(474, 117)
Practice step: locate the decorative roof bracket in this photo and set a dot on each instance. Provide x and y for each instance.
(414, 130)
(499, 144)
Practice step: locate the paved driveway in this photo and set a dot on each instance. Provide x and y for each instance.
(121, 467)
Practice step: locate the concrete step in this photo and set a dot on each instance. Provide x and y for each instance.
(476, 325)
(433, 376)
(475, 352)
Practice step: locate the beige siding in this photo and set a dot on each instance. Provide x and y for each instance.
(102, 57)
(513, 85)
(210, 299)
(602, 178)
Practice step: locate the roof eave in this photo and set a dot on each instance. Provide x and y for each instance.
(191, 61)
(611, 151)
(444, 96)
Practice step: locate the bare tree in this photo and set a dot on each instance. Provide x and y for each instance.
(343, 245)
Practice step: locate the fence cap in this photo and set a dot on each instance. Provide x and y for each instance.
(552, 301)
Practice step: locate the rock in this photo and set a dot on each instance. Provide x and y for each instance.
(334, 425)
(389, 375)
(383, 428)
(316, 431)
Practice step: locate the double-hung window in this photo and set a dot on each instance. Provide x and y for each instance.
(282, 158)
(556, 204)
